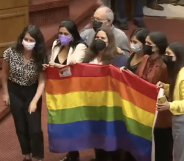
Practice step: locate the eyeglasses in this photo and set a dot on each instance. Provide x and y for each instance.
(97, 19)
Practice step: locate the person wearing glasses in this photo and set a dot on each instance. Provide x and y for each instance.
(104, 16)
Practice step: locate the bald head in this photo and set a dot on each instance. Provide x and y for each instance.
(104, 13)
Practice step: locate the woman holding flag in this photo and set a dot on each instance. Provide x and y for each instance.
(103, 51)
(153, 69)
(68, 48)
(174, 58)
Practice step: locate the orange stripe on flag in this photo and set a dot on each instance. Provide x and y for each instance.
(99, 84)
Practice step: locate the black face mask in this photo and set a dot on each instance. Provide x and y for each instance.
(97, 25)
(148, 49)
(99, 45)
(168, 61)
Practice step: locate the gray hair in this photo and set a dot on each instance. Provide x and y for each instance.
(109, 12)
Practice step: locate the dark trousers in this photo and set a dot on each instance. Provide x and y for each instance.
(102, 155)
(28, 126)
(163, 144)
(73, 154)
(121, 10)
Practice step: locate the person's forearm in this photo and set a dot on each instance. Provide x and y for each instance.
(41, 87)
(5, 74)
(58, 65)
(5, 83)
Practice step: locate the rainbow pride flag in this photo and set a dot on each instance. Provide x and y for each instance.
(97, 106)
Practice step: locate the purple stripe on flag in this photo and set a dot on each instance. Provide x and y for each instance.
(111, 143)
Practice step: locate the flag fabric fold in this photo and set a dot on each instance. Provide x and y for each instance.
(97, 106)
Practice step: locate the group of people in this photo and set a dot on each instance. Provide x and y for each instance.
(152, 59)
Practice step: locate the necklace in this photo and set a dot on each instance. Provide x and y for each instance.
(25, 60)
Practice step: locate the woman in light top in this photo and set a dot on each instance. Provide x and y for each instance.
(69, 47)
(103, 50)
(174, 59)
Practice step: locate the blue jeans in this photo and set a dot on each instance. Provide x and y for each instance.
(121, 10)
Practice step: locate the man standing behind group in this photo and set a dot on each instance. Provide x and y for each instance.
(107, 3)
(104, 16)
(120, 7)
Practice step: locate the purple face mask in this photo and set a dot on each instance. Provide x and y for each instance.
(65, 39)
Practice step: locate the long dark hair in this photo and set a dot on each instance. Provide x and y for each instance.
(110, 51)
(160, 40)
(178, 50)
(72, 29)
(39, 53)
(140, 34)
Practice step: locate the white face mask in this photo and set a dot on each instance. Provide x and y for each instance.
(135, 47)
(28, 45)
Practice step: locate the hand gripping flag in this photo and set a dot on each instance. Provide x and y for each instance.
(97, 106)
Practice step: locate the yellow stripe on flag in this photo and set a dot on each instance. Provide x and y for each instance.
(107, 98)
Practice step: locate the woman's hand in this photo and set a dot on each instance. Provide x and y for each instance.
(124, 69)
(32, 106)
(160, 85)
(163, 106)
(6, 99)
(58, 65)
(45, 66)
(52, 64)
(119, 50)
(72, 62)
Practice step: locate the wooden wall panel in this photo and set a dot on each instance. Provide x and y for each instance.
(12, 22)
(6, 4)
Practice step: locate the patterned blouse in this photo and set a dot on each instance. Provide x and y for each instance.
(19, 73)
